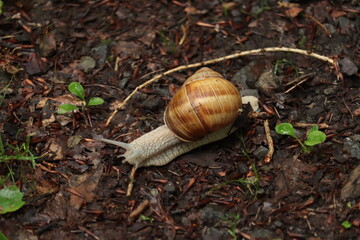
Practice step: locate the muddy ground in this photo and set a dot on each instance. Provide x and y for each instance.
(224, 190)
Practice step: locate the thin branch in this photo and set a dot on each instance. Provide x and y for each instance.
(306, 125)
(269, 139)
(131, 182)
(216, 60)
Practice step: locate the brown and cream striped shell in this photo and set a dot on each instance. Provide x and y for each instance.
(205, 103)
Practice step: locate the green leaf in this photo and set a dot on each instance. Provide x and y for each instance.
(10, 199)
(95, 101)
(315, 137)
(65, 108)
(314, 128)
(147, 219)
(1, 5)
(2, 148)
(346, 224)
(77, 89)
(3, 237)
(285, 129)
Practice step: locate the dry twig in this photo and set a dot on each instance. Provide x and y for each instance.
(269, 155)
(131, 183)
(216, 60)
(137, 211)
(306, 125)
(327, 32)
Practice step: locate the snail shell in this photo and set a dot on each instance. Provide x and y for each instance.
(205, 103)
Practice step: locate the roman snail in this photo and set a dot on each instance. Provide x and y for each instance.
(201, 112)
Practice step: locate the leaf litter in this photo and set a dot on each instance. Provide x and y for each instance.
(80, 186)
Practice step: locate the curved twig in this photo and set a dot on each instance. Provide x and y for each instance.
(216, 60)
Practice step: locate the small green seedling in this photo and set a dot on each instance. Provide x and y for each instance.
(20, 153)
(10, 199)
(147, 219)
(78, 90)
(346, 224)
(232, 221)
(283, 62)
(313, 138)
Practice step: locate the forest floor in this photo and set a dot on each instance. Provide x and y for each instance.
(75, 187)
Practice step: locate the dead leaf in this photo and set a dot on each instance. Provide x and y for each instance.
(47, 121)
(73, 141)
(41, 103)
(86, 63)
(63, 119)
(56, 149)
(35, 64)
(229, 5)
(128, 49)
(68, 98)
(85, 186)
(253, 24)
(293, 12)
(194, 11)
(352, 187)
(287, 4)
(357, 112)
(48, 44)
(337, 13)
(281, 186)
(44, 186)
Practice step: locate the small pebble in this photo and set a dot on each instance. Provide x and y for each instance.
(170, 187)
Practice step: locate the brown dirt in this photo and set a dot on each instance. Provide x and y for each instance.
(224, 190)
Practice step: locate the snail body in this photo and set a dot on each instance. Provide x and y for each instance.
(201, 112)
(161, 146)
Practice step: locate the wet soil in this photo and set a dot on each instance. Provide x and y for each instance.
(224, 190)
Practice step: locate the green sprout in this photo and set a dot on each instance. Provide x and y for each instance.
(314, 136)
(11, 196)
(21, 153)
(232, 220)
(147, 219)
(256, 11)
(78, 90)
(3, 93)
(283, 62)
(346, 224)
(169, 45)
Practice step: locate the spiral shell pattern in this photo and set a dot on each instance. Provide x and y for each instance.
(205, 103)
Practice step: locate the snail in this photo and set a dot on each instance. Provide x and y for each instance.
(202, 111)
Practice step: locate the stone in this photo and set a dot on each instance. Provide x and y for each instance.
(267, 83)
(211, 233)
(352, 188)
(261, 152)
(352, 146)
(170, 187)
(244, 76)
